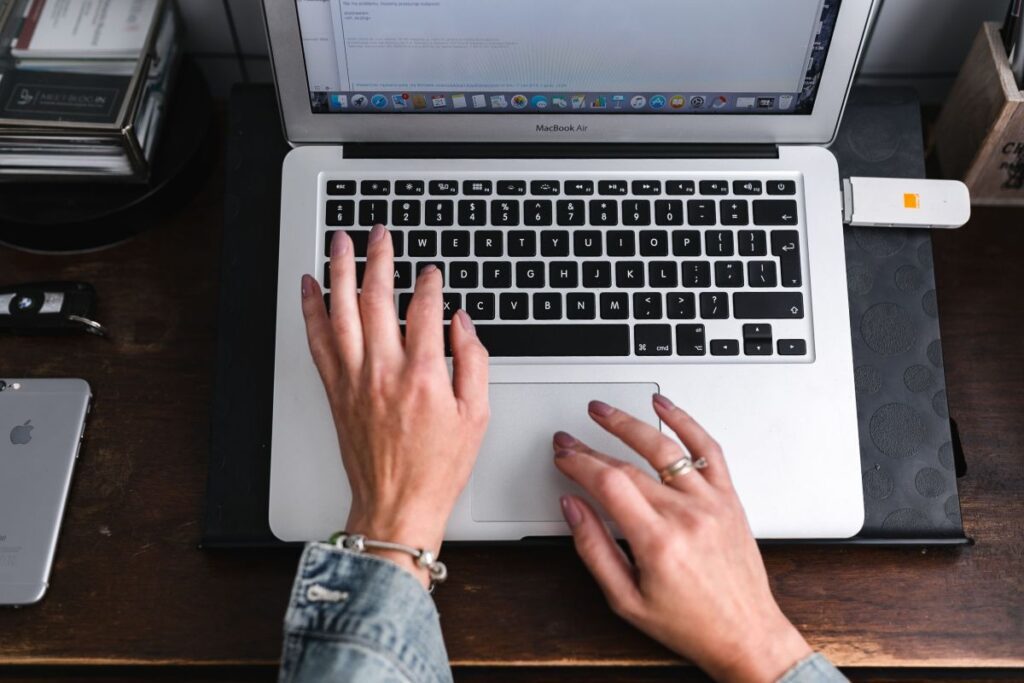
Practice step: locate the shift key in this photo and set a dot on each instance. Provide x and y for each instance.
(768, 305)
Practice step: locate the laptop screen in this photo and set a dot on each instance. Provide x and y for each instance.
(565, 56)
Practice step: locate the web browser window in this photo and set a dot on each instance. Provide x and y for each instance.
(614, 56)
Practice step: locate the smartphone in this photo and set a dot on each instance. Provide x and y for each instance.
(41, 426)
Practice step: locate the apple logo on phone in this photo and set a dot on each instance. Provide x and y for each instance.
(22, 434)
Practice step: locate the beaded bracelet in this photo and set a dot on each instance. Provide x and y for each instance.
(357, 543)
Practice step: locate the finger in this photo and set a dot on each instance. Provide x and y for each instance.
(381, 335)
(648, 485)
(602, 555)
(319, 332)
(614, 490)
(424, 320)
(647, 440)
(470, 361)
(345, 318)
(696, 439)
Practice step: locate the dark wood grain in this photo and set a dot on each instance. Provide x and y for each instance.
(131, 587)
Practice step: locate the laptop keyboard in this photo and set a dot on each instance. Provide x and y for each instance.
(680, 269)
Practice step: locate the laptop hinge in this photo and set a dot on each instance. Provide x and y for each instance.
(567, 150)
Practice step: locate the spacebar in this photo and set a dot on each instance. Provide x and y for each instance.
(554, 340)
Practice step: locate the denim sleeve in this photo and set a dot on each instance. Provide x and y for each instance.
(360, 618)
(814, 668)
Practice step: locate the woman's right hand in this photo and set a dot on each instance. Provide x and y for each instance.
(697, 583)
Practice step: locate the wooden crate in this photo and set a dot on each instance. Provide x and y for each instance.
(979, 137)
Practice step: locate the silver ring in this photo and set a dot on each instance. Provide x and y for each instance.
(679, 468)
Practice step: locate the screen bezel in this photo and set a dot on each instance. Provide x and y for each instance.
(302, 126)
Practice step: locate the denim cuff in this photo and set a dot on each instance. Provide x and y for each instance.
(814, 668)
(367, 606)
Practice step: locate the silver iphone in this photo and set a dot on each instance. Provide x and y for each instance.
(41, 427)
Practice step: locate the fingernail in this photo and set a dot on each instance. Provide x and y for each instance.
(466, 321)
(600, 408)
(429, 268)
(571, 512)
(663, 402)
(563, 453)
(307, 285)
(564, 439)
(339, 243)
(376, 234)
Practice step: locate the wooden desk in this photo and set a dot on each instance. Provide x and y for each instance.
(130, 586)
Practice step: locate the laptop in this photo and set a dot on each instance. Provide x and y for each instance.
(627, 197)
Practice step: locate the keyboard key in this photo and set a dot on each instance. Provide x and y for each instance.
(718, 243)
(597, 274)
(621, 243)
(653, 243)
(681, 305)
(537, 212)
(629, 274)
(752, 243)
(375, 187)
(476, 187)
(497, 275)
(373, 211)
(450, 302)
(761, 274)
(586, 243)
(422, 243)
(725, 347)
(614, 306)
(652, 340)
(529, 274)
(455, 243)
(337, 188)
(403, 275)
(604, 212)
(781, 187)
(680, 187)
(480, 306)
(580, 306)
(612, 187)
(714, 187)
(463, 275)
(504, 212)
(647, 306)
(403, 305)
(792, 347)
(406, 212)
(685, 243)
(636, 212)
(662, 274)
(714, 305)
(440, 212)
(668, 212)
(701, 212)
(757, 332)
(563, 274)
(488, 243)
(696, 274)
(774, 212)
(554, 243)
(512, 187)
(409, 188)
(522, 243)
(646, 187)
(734, 212)
(786, 245)
(570, 212)
(360, 271)
(472, 212)
(746, 187)
(690, 340)
(579, 187)
(513, 306)
(361, 237)
(728, 273)
(545, 187)
(528, 341)
(341, 212)
(444, 187)
(757, 348)
(768, 305)
(547, 306)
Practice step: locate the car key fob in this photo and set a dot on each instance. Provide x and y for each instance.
(49, 308)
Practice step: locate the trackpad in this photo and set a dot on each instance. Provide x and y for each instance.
(515, 479)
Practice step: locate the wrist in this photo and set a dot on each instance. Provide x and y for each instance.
(416, 536)
(765, 654)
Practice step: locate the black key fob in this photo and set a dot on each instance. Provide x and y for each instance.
(49, 308)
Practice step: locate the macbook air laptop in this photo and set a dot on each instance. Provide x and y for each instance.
(627, 197)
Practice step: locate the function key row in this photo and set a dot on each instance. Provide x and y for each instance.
(513, 188)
